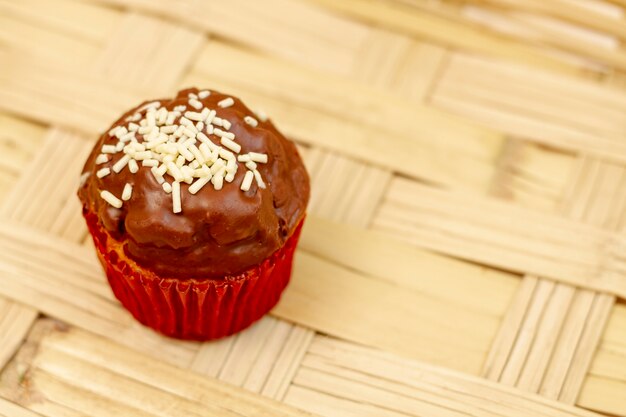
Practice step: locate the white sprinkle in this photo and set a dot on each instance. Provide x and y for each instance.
(247, 181)
(167, 187)
(229, 177)
(204, 94)
(128, 137)
(137, 147)
(121, 163)
(243, 158)
(230, 144)
(170, 118)
(152, 105)
(226, 154)
(194, 115)
(157, 176)
(169, 158)
(176, 203)
(251, 121)
(142, 155)
(121, 132)
(185, 152)
(169, 129)
(227, 102)
(135, 117)
(151, 118)
(217, 166)
(251, 165)
(180, 161)
(133, 127)
(187, 173)
(101, 159)
(149, 163)
(210, 117)
(162, 116)
(109, 149)
(111, 199)
(200, 126)
(260, 114)
(161, 170)
(192, 96)
(144, 130)
(226, 124)
(83, 178)
(258, 157)
(259, 180)
(209, 129)
(181, 108)
(190, 132)
(179, 131)
(231, 166)
(174, 171)
(217, 121)
(205, 139)
(132, 166)
(128, 191)
(113, 131)
(194, 164)
(203, 171)
(103, 172)
(195, 104)
(198, 184)
(196, 153)
(217, 181)
(119, 146)
(205, 151)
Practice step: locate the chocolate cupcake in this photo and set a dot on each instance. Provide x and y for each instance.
(195, 206)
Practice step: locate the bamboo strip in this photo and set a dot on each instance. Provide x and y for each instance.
(315, 298)
(569, 11)
(19, 139)
(30, 39)
(483, 231)
(509, 329)
(595, 324)
(9, 409)
(128, 377)
(376, 255)
(398, 63)
(389, 384)
(533, 105)
(41, 270)
(287, 363)
(316, 38)
(61, 97)
(604, 386)
(460, 155)
(154, 61)
(15, 322)
(381, 314)
(344, 190)
(88, 23)
(438, 29)
(552, 356)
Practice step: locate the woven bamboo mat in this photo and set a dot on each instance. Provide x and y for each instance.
(464, 253)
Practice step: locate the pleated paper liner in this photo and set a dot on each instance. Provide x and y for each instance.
(194, 309)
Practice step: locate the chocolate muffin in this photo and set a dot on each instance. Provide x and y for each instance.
(195, 206)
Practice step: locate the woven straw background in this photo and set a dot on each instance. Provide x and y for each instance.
(464, 253)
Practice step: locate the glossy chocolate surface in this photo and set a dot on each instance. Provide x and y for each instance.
(219, 232)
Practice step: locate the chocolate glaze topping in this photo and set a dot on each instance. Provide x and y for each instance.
(219, 232)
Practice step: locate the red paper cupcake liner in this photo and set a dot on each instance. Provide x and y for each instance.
(195, 309)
